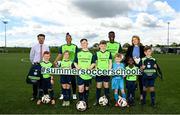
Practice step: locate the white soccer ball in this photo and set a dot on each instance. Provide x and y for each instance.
(45, 99)
(103, 101)
(81, 106)
(122, 102)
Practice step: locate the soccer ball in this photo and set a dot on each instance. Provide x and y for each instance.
(122, 102)
(45, 99)
(81, 106)
(103, 101)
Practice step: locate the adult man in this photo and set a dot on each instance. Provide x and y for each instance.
(112, 46)
(73, 49)
(36, 55)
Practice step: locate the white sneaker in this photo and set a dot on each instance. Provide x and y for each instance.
(61, 97)
(74, 96)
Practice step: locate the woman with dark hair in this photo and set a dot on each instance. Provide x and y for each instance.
(136, 51)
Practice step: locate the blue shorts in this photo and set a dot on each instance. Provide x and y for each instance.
(65, 79)
(81, 81)
(148, 82)
(117, 83)
(102, 78)
(45, 83)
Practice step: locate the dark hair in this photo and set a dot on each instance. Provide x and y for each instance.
(147, 48)
(111, 32)
(41, 35)
(102, 42)
(46, 52)
(67, 34)
(84, 39)
(128, 58)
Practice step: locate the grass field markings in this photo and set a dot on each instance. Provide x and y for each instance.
(25, 60)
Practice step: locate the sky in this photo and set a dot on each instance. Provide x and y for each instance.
(91, 19)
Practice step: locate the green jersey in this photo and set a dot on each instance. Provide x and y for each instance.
(46, 65)
(84, 59)
(73, 49)
(66, 64)
(131, 77)
(114, 48)
(102, 59)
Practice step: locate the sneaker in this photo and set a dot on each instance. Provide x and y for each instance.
(53, 102)
(67, 103)
(61, 97)
(74, 96)
(64, 103)
(38, 102)
(33, 98)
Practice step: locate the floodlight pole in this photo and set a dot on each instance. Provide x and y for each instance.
(5, 22)
(168, 35)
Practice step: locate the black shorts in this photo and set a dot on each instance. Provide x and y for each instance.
(65, 79)
(102, 78)
(45, 83)
(148, 82)
(81, 81)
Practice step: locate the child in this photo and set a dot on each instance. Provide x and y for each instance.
(84, 60)
(103, 61)
(118, 81)
(46, 80)
(131, 82)
(65, 80)
(149, 69)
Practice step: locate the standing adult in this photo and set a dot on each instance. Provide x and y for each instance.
(73, 49)
(36, 55)
(112, 46)
(136, 51)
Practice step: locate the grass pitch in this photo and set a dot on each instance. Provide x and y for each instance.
(15, 93)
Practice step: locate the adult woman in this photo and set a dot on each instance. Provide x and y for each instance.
(136, 51)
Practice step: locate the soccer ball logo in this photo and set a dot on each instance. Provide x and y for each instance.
(45, 99)
(81, 106)
(103, 101)
(122, 102)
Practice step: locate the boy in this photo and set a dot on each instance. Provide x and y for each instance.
(131, 81)
(46, 80)
(118, 81)
(84, 60)
(104, 62)
(149, 67)
(65, 80)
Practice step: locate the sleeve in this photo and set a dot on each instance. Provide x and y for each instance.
(159, 72)
(110, 56)
(120, 49)
(31, 56)
(60, 50)
(93, 59)
(76, 51)
(76, 59)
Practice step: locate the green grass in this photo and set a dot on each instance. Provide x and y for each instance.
(15, 93)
